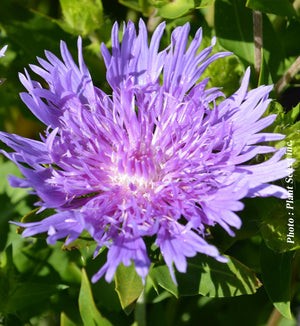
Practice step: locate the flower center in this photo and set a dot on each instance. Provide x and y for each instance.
(135, 171)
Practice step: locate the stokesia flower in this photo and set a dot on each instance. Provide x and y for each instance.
(156, 158)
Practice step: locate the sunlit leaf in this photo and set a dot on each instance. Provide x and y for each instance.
(83, 240)
(9, 168)
(208, 277)
(226, 72)
(177, 8)
(203, 3)
(144, 6)
(39, 284)
(160, 276)
(82, 16)
(89, 313)
(65, 264)
(174, 9)
(65, 320)
(234, 28)
(129, 286)
(12, 201)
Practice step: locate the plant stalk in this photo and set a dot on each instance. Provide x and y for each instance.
(258, 40)
(274, 318)
(140, 310)
(287, 77)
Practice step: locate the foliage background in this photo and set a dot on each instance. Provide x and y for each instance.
(43, 285)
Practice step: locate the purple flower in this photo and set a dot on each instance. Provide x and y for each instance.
(2, 51)
(157, 157)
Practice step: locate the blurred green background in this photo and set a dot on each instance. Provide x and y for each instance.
(49, 285)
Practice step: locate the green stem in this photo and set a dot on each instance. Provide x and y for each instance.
(140, 310)
(274, 318)
(258, 40)
(153, 21)
(287, 77)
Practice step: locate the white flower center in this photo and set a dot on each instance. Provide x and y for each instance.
(135, 172)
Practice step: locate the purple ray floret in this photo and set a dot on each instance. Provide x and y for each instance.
(2, 51)
(156, 158)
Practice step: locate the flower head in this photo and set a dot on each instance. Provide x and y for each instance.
(157, 157)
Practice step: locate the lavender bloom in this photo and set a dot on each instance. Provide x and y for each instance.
(2, 51)
(152, 159)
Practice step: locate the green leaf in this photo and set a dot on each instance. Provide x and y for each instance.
(215, 279)
(292, 115)
(284, 124)
(132, 4)
(273, 49)
(82, 16)
(203, 3)
(10, 168)
(83, 241)
(143, 6)
(208, 277)
(177, 8)
(8, 274)
(160, 276)
(28, 294)
(224, 71)
(64, 263)
(265, 77)
(31, 257)
(289, 34)
(24, 295)
(89, 313)
(65, 320)
(9, 211)
(278, 223)
(277, 7)
(28, 33)
(276, 276)
(129, 286)
(234, 28)
(35, 216)
(173, 9)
